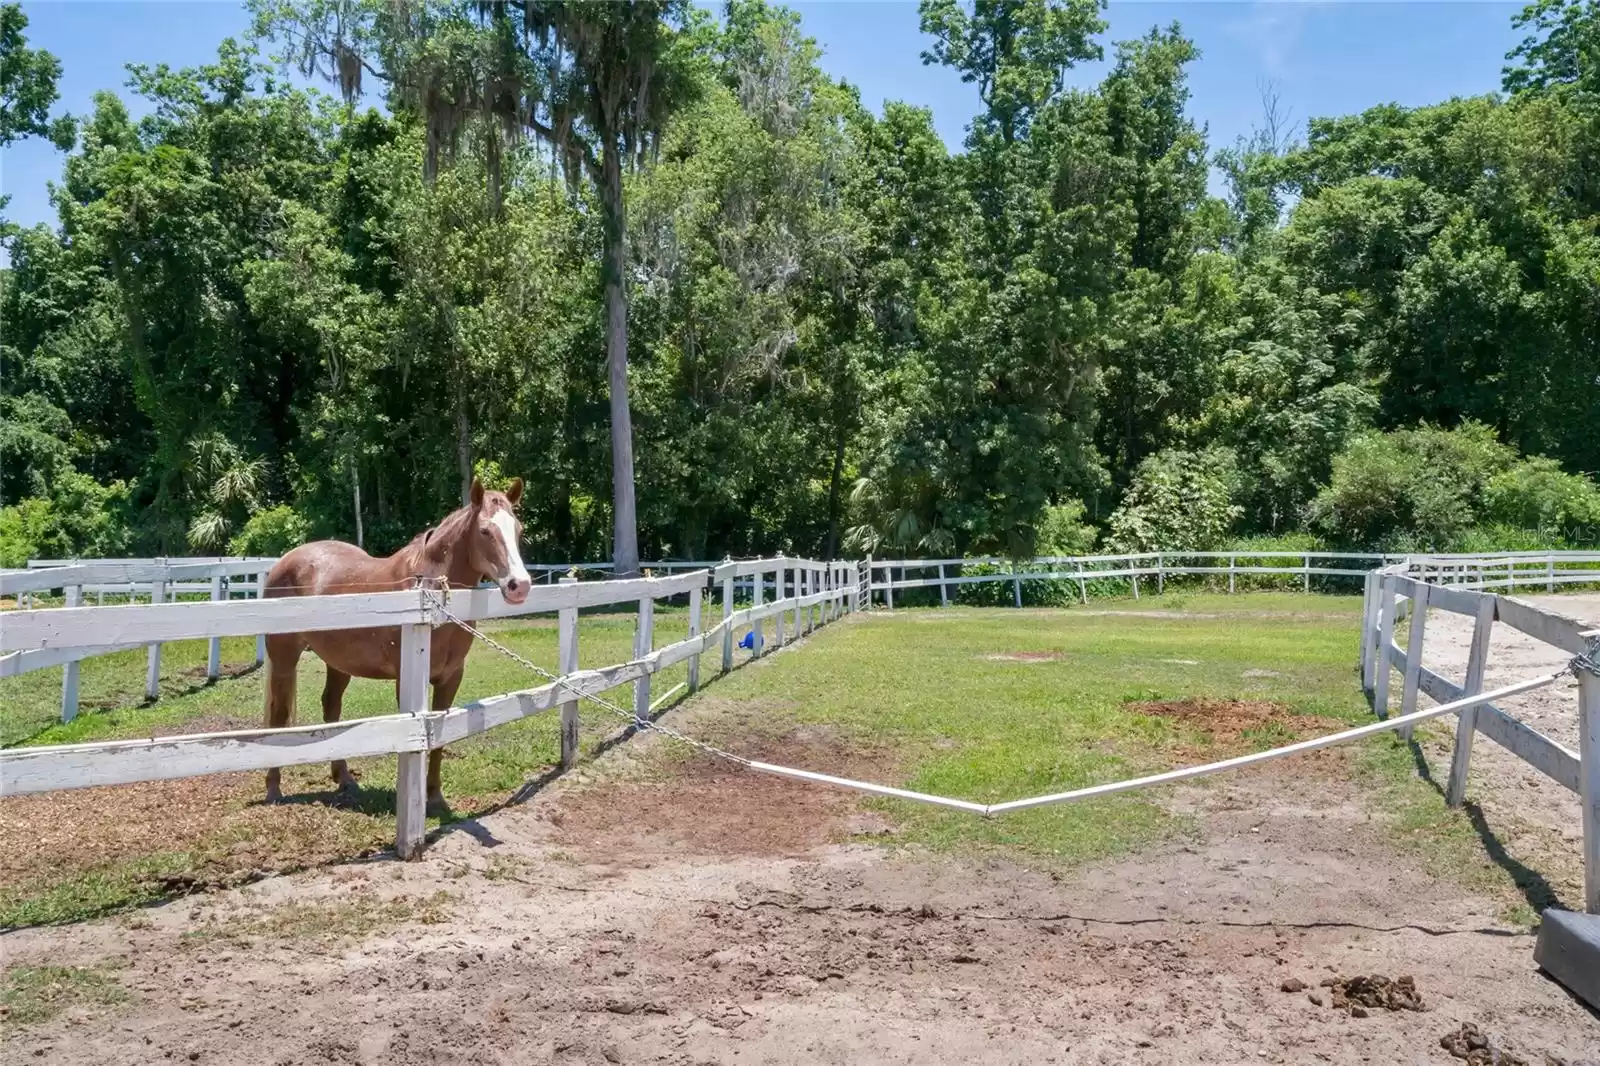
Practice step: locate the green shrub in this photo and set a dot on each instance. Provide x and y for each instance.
(1537, 496)
(273, 531)
(1179, 501)
(80, 518)
(1409, 490)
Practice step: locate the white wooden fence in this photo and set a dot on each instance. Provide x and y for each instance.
(1411, 590)
(1499, 569)
(806, 594)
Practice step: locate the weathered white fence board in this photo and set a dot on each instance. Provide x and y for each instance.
(1528, 744)
(121, 762)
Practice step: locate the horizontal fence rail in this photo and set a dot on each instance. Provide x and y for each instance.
(1511, 570)
(1408, 591)
(806, 594)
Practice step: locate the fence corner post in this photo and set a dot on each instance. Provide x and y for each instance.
(1589, 756)
(1455, 790)
(411, 772)
(567, 663)
(1386, 612)
(69, 672)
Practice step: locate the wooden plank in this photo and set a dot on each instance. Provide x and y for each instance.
(1589, 793)
(1454, 600)
(69, 673)
(1387, 605)
(1413, 657)
(567, 663)
(643, 644)
(1555, 761)
(694, 631)
(84, 626)
(121, 762)
(411, 774)
(1542, 624)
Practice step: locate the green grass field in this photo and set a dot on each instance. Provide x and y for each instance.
(983, 704)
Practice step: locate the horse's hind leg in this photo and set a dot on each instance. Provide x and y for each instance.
(283, 661)
(332, 708)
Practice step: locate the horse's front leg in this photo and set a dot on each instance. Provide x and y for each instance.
(444, 693)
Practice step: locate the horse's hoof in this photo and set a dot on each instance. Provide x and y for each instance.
(438, 805)
(274, 796)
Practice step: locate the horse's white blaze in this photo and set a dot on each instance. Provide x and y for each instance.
(507, 526)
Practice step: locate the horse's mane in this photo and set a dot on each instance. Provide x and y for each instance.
(447, 527)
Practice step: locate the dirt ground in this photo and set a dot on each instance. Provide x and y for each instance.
(1535, 818)
(718, 916)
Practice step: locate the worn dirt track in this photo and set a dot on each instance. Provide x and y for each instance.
(716, 918)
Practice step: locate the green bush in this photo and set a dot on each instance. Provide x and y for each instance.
(1409, 490)
(273, 531)
(80, 518)
(1537, 496)
(1179, 501)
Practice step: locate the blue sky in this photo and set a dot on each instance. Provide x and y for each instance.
(1327, 58)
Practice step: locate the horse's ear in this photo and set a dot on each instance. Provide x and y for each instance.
(514, 493)
(477, 494)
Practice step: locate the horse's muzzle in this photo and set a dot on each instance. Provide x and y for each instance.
(515, 591)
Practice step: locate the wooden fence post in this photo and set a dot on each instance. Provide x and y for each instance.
(643, 644)
(411, 773)
(757, 625)
(1307, 586)
(1413, 674)
(944, 590)
(1232, 562)
(1386, 612)
(214, 649)
(798, 589)
(1161, 575)
(1589, 756)
(69, 672)
(888, 587)
(1369, 621)
(1083, 589)
(261, 638)
(727, 613)
(152, 670)
(567, 663)
(1550, 574)
(1016, 584)
(777, 617)
(695, 597)
(1133, 568)
(1455, 791)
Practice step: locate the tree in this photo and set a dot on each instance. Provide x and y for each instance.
(1016, 51)
(593, 79)
(27, 84)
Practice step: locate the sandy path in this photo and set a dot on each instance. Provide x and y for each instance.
(725, 924)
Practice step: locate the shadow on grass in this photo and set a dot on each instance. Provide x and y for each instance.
(1539, 893)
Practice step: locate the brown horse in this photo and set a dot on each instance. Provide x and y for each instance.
(475, 542)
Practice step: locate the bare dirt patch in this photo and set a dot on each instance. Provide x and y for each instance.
(1237, 724)
(711, 807)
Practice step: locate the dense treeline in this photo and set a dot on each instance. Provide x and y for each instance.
(269, 314)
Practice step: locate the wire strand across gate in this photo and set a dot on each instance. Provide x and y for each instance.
(438, 603)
